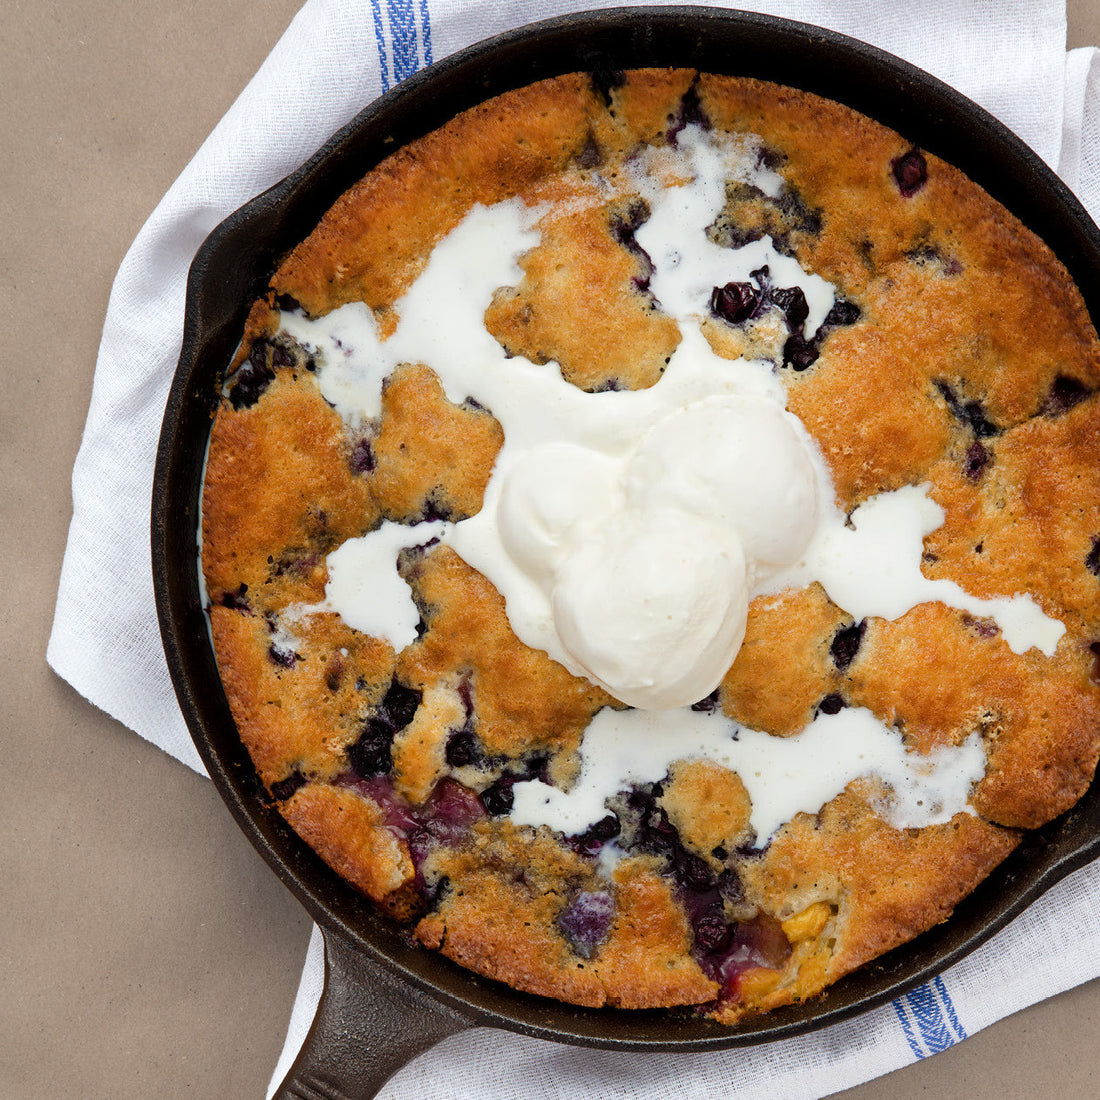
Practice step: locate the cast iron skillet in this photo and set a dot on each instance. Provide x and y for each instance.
(384, 1000)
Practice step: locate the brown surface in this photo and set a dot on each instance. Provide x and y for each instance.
(147, 951)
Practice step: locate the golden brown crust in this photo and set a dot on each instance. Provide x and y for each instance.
(429, 452)
(888, 884)
(946, 281)
(709, 807)
(298, 713)
(500, 915)
(504, 894)
(293, 445)
(640, 109)
(348, 832)
(941, 676)
(578, 302)
(874, 437)
(645, 962)
(1031, 519)
(502, 930)
(787, 641)
(524, 700)
(374, 241)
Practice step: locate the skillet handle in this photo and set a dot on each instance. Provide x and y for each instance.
(369, 1024)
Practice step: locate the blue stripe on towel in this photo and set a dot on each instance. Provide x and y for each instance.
(426, 31)
(380, 39)
(949, 1008)
(403, 36)
(928, 1019)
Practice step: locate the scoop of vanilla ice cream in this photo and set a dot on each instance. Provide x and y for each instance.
(550, 493)
(654, 605)
(739, 460)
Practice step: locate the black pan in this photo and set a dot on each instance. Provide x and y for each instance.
(384, 1000)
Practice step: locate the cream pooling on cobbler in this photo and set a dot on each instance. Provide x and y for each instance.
(628, 531)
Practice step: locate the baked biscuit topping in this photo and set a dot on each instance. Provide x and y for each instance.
(653, 550)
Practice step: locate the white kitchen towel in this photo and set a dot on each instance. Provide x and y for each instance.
(335, 57)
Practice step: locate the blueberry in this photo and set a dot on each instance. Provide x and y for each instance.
(370, 755)
(435, 508)
(924, 254)
(983, 628)
(286, 787)
(910, 172)
(399, 705)
(362, 457)
(712, 933)
(294, 563)
(974, 414)
(450, 810)
(846, 643)
(729, 886)
(692, 871)
(586, 921)
(463, 749)
(651, 831)
(792, 301)
(970, 413)
(466, 694)
(690, 113)
(284, 658)
(977, 458)
(591, 156)
(832, 704)
(535, 766)
(799, 353)
(236, 601)
(1064, 394)
(769, 158)
(498, 798)
(735, 302)
(624, 226)
(334, 674)
(736, 236)
(605, 81)
(596, 836)
(420, 843)
(707, 705)
(1092, 558)
(842, 312)
(252, 378)
(798, 215)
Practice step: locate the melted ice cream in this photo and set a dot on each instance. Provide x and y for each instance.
(783, 775)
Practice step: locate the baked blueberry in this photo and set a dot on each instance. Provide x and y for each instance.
(910, 172)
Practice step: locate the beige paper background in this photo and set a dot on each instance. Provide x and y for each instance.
(145, 950)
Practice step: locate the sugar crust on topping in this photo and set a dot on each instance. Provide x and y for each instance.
(963, 361)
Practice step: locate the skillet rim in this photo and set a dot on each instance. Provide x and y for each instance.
(881, 86)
